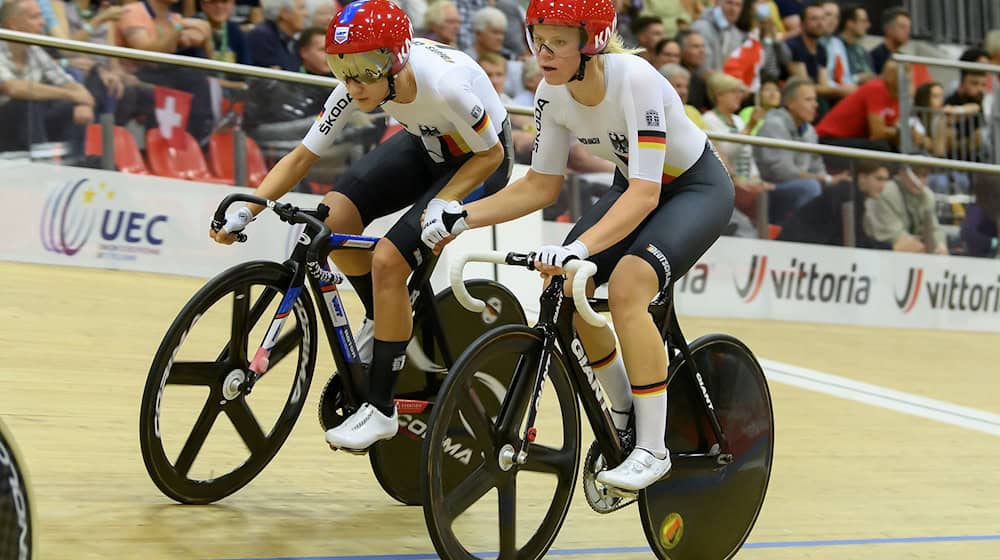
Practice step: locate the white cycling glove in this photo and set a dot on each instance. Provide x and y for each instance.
(442, 219)
(558, 255)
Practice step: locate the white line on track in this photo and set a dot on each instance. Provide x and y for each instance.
(908, 403)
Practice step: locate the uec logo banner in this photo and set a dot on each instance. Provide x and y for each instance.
(81, 214)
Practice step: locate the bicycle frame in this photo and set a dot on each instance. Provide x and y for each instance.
(555, 322)
(333, 315)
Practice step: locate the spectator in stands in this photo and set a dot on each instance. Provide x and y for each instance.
(648, 31)
(853, 29)
(680, 78)
(531, 76)
(625, 12)
(85, 24)
(896, 24)
(791, 15)
(718, 27)
(693, 58)
(415, 9)
(798, 176)
(930, 133)
(777, 55)
(272, 41)
(982, 219)
(821, 220)
(672, 13)
(866, 118)
(727, 94)
(905, 215)
(229, 42)
(322, 12)
(489, 26)
(152, 26)
(38, 99)
(442, 22)
(311, 47)
(809, 57)
(769, 97)
(992, 45)
(668, 51)
(969, 129)
(513, 41)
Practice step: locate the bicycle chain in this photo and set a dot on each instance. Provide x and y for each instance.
(590, 478)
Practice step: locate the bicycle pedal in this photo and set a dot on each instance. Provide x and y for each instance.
(619, 493)
(359, 452)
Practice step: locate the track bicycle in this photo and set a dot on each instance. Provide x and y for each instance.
(205, 371)
(720, 432)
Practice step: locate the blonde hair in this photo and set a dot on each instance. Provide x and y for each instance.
(721, 82)
(493, 58)
(616, 45)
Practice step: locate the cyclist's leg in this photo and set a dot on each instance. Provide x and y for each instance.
(369, 189)
(599, 342)
(692, 214)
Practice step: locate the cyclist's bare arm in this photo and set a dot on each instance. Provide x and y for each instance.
(532, 192)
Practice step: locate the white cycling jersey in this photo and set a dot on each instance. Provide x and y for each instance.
(456, 110)
(640, 125)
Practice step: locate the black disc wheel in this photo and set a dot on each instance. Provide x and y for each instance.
(706, 508)
(425, 371)
(481, 499)
(201, 437)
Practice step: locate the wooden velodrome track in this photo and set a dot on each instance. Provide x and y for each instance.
(851, 480)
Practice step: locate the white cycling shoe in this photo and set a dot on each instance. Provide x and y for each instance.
(363, 429)
(365, 340)
(640, 469)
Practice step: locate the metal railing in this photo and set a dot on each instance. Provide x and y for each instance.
(965, 22)
(970, 143)
(253, 71)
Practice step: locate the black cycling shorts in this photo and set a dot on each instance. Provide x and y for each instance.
(398, 173)
(694, 210)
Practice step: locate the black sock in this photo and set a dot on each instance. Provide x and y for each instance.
(363, 287)
(388, 359)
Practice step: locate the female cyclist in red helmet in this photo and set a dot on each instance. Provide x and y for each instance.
(670, 200)
(457, 140)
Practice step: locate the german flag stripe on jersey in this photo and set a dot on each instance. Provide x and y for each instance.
(455, 144)
(480, 126)
(669, 172)
(654, 139)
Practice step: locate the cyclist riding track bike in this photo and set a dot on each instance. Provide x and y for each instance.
(670, 200)
(457, 139)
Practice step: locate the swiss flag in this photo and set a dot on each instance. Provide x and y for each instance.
(172, 110)
(745, 62)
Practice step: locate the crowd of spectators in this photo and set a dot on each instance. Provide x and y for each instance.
(785, 69)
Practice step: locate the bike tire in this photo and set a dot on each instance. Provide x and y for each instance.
(704, 510)
(452, 487)
(235, 284)
(18, 534)
(392, 460)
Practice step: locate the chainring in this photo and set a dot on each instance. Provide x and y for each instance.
(599, 498)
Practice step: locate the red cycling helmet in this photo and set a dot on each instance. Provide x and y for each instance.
(596, 18)
(368, 40)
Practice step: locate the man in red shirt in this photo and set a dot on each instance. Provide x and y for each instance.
(868, 117)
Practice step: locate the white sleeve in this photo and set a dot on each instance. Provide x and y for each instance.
(645, 122)
(551, 150)
(468, 113)
(339, 106)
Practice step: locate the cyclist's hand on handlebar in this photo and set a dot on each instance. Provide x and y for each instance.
(441, 220)
(549, 259)
(237, 219)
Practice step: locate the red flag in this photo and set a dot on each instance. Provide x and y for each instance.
(745, 62)
(838, 70)
(172, 110)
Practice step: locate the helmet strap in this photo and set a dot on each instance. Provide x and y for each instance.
(583, 68)
(392, 89)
